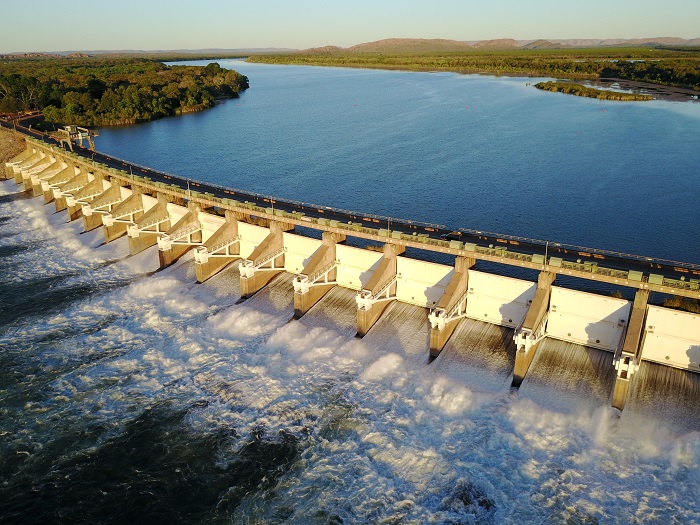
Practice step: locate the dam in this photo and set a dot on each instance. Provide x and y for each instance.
(266, 238)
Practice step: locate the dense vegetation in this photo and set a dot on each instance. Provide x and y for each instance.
(583, 91)
(111, 91)
(683, 303)
(667, 67)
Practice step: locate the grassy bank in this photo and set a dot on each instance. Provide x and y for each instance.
(677, 68)
(584, 91)
(11, 145)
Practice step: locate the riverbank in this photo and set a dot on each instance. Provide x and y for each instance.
(107, 91)
(636, 69)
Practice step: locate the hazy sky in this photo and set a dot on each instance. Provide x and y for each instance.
(54, 25)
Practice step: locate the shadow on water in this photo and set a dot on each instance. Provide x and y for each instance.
(12, 197)
(44, 296)
(158, 470)
(9, 251)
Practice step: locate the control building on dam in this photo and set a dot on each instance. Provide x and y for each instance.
(222, 228)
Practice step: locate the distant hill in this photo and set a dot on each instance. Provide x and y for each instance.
(44, 55)
(621, 42)
(388, 46)
(542, 44)
(500, 43)
(325, 50)
(410, 45)
(414, 46)
(137, 52)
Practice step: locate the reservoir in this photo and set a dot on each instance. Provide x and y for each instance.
(485, 153)
(134, 396)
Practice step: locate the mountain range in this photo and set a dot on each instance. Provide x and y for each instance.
(398, 45)
(418, 45)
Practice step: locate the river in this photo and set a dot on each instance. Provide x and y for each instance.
(488, 153)
(128, 396)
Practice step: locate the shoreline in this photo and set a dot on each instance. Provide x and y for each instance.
(658, 91)
(588, 91)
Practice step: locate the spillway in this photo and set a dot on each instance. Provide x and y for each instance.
(668, 395)
(568, 377)
(403, 327)
(277, 297)
(480, 354)
(336, 311)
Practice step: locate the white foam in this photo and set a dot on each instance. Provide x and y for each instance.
(383, 435)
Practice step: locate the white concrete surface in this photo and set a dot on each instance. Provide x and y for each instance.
(421, 283)
(251, 236)
(297, 251)
(355, 266)
(672, 337)
(498, 300)
(587, 319)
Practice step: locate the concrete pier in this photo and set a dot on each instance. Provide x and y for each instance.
(61, 191)
(123, 215)
(102, 204)
(533, 327)
(26, 164)
(61, 177)
(628, 358)
(71, 189)
(87, 193)
(379, 291)
(266, 261)
(220, 250)
(452, 306)
(182, 237)
(144, 232)
(45, 174)
(9, 172)
(318, 276)
(27, 174)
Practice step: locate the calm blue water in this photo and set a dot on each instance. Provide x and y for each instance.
(128, 396)
(466, 151)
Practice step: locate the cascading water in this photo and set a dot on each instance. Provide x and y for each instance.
(666, 394)
(485, 352)
(570, 377)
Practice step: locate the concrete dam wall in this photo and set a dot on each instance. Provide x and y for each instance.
(264, 243)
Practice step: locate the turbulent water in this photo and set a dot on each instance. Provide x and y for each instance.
(128, 396)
